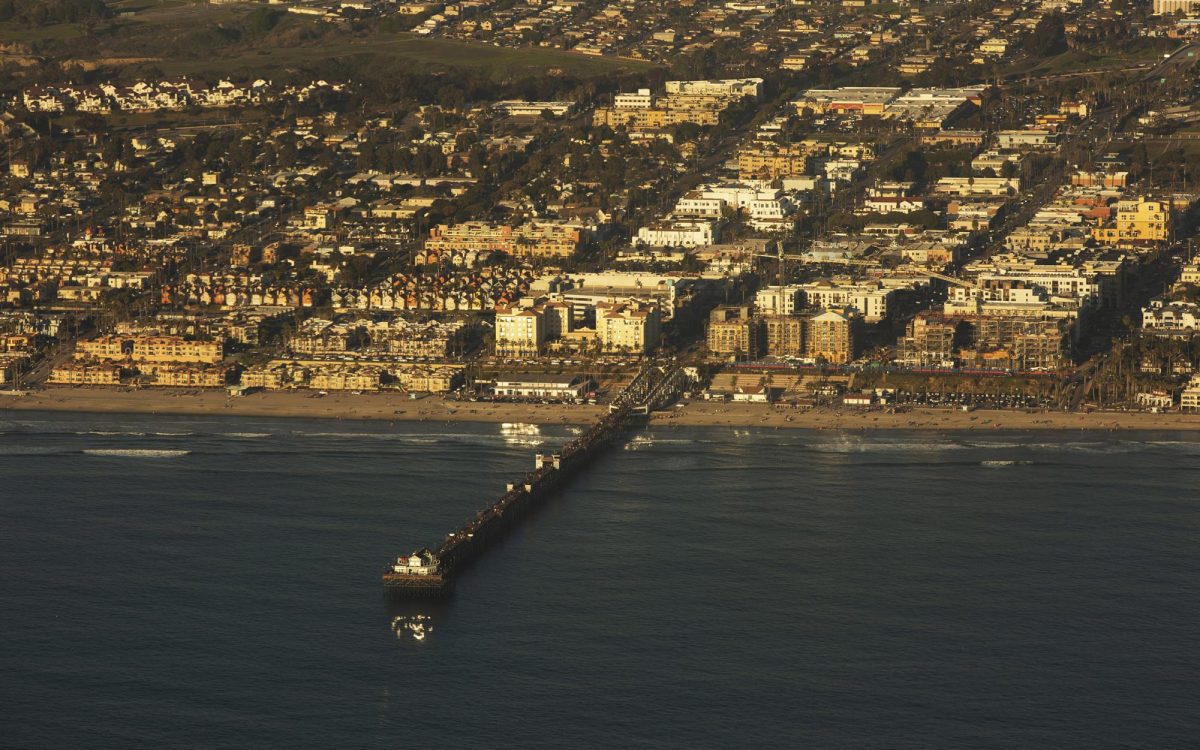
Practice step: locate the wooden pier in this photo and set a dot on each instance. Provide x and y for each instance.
(431, 572)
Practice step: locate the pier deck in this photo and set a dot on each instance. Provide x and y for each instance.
(429, 573)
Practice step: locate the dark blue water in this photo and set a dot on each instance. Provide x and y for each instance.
(214, 583)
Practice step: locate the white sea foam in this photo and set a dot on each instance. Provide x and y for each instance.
(871, 446)
(135, 452)
(112, 433)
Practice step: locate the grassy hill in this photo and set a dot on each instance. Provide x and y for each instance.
(195, 38)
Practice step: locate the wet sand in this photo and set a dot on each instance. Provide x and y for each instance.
(396, 406)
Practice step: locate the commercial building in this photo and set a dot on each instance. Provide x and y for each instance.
(863, 100)
(568, 388)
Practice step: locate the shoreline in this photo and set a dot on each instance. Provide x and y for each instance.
(396, 407)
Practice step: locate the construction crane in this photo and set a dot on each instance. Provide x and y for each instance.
(951, 279)
(781, 257)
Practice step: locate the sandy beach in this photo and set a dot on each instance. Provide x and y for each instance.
(398, 407)
(336, 405)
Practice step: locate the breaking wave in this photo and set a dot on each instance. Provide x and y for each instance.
(135, 452)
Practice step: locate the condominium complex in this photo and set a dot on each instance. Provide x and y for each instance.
(631, 326)
(531, 240)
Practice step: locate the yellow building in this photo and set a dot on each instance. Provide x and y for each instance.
(438, 379)
(272, 376)
(532, 240)
(832, 336)
(732, 331)
(175, 349)
(81, 373)
(1137, 222)
(631, 326)
(769, 163)
(150, 349)
(184, 376)
(346, 379)
(785, 335)
(103, 348)
(520, 332)
(652, 118)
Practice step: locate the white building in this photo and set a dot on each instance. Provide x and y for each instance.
(641, 99)
(734, 87)
(778, 300)
(1190, 397)
(1162, 315)
(543, 386)
(678, 234)
(871, 299)
(1035, 139)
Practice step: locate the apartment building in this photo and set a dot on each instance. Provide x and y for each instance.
(534, 240)
(870, 298)
(630, 326)
(1138, 222)
(106, 348)
(785, 335)
(929, 341)
(733, 331)
(85, 373)
(155, 349)
(188, 376)
(1189, 398)
(779, 300)
(520, 331)
(832, 336)
(696, 102)
(1164, 316)
(1184, 7)
(768, 162)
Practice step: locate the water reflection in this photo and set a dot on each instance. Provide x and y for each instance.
(417, 627)
(519, 433)
(414, 620)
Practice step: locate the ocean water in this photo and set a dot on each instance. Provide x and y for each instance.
(191, 582)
